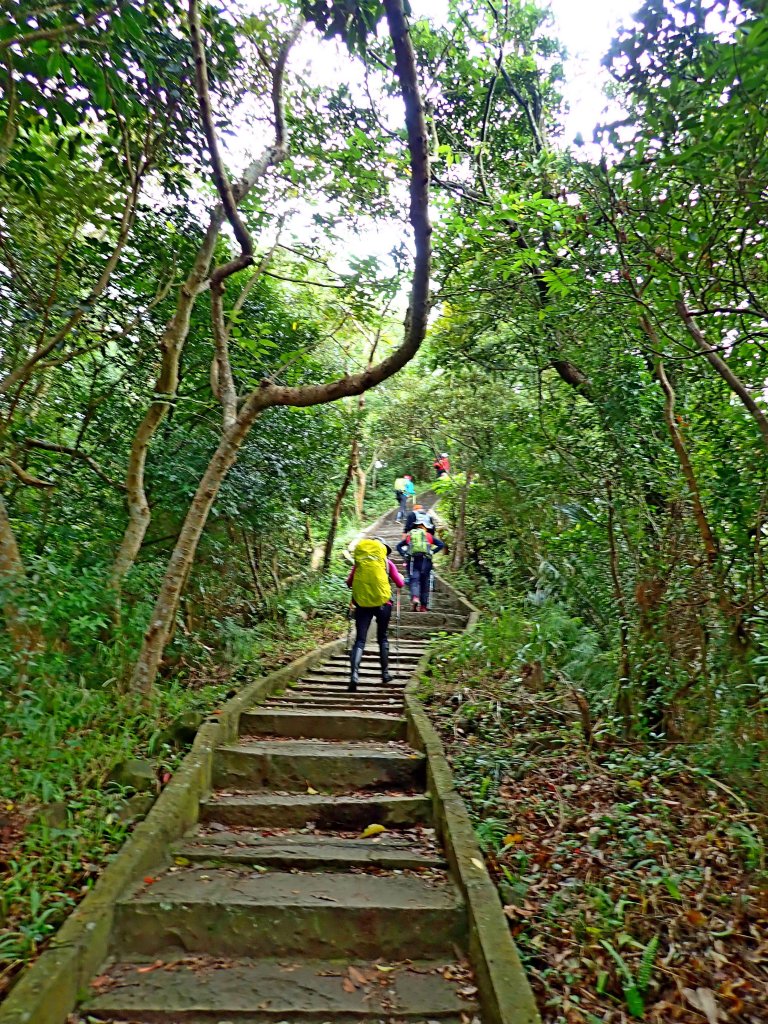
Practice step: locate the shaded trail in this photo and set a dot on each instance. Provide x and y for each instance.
(275, 908)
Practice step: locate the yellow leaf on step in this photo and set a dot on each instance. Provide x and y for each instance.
(385, 968)
(312, 792)
(183, 862)
(478, 863)
(372, 830)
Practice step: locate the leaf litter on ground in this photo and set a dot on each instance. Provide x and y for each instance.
(634, 887)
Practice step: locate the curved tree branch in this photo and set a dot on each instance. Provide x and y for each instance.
(220, 177)
(164, 612)
(75, 453)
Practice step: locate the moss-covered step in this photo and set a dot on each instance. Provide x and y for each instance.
(231, 912)
(204, 990)
(343, 725)
(335, 767)
(272, 810)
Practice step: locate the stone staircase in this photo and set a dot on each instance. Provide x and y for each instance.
(277, 908)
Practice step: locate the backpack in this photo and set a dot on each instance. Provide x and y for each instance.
(419, 545)
(400, 483)
(370, 584)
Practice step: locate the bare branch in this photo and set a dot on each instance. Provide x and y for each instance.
(220, 177)
(52, 34)
(719, 364)
(24, 476)
(75, 453)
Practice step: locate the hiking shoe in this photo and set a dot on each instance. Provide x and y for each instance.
(423, 608)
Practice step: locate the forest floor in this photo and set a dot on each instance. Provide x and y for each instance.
(635, 887)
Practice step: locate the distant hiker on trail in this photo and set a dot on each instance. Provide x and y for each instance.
(372, 599)
(410, 490)
(402, 503)
(442, 465)
(420, 546)
(419, 514)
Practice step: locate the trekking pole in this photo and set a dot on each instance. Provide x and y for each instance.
(397, 634)
(349, 629)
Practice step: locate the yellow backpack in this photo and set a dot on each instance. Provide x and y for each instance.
(370, 584)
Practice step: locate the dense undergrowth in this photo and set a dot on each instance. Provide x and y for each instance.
(634, 880)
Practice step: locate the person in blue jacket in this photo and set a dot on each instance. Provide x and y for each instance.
(409, 491)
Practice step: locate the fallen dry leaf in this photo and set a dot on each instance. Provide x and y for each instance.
(357, 976)
(151, 967)
(703, 999)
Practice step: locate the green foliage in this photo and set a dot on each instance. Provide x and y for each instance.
(352, 22)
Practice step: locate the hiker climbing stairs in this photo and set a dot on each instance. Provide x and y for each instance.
(314, 887)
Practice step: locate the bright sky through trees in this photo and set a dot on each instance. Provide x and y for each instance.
(586, 30)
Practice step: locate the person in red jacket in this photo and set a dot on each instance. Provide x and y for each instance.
(442, 465)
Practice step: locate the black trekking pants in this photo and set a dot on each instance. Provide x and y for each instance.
(363, 619)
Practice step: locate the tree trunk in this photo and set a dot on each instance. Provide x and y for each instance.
(460, 533)
(268, 394)
(359, 474)
(623, 701)
(251, 558)
(730, 609)
(336, 515)
(26, 640)
(171, 346)
(175, 334)
(161, 622)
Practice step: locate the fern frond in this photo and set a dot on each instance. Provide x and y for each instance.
(645, 970)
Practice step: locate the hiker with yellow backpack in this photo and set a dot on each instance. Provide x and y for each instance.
(372, 599)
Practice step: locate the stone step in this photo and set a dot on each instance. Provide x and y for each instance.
(199, 990)
(309, 852)
(367, 672)
(434, 618)
(296, 810)
(292, 765)
(329, 706)
(417, 632)
(360, 701)
(341, 677)
(371, 659)
(343, 725)
(314, 691)
(231, 912)
(368, 688)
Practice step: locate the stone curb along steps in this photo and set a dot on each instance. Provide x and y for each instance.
(311, 861)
